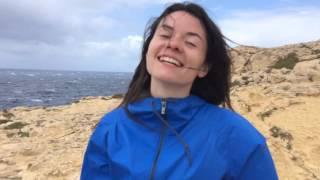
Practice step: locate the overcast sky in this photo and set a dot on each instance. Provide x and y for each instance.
(106, 35)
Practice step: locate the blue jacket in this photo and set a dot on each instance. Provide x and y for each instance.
(176, 139)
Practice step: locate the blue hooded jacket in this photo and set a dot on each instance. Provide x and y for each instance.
(175, 139)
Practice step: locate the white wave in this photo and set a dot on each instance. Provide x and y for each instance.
(36, 100)
(50, 90)
(17, 92)
(31, 75)
(73, 81)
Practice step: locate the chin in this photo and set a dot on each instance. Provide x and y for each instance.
(167, 79)
(164, 77)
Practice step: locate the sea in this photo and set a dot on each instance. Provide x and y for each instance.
(52, 88)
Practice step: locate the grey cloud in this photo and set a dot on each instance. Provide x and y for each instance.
(57, 21)
(73, 34)
(52, 23)
(25, 24)
(117, 55)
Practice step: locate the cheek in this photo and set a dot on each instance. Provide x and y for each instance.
(151, 55)
(202, 56)
(149, 61)
(152, 47)
(148, 65)
(196, 59)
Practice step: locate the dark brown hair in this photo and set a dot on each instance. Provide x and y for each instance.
(215, 86)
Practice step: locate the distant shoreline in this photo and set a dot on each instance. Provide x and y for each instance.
(52, 88)
(63, 70)
(114, 96)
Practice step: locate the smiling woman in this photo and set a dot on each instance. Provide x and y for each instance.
(173, 122)
(179, 42)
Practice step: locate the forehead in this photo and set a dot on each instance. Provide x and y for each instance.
(181, 20)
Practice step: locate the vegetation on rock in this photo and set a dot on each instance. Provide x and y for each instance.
(289, 61)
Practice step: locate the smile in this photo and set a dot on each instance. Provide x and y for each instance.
(170, 60)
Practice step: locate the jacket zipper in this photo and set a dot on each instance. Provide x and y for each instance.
(163, 106)
(154, 165)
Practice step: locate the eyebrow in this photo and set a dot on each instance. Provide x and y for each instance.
(170, 28)
(167, 27)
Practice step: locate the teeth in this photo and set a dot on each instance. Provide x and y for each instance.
(170, 60)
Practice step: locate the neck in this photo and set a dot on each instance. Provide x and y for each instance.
(167, 90)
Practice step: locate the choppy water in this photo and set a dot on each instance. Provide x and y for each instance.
(47, 88)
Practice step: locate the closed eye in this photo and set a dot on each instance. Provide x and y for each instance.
(191, 44)
(165, 36)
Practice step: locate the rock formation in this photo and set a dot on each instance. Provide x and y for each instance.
(278, 90)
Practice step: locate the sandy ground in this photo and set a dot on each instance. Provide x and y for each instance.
(51, 143)
(291, 125)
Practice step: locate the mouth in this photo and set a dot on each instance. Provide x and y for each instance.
(170, 60)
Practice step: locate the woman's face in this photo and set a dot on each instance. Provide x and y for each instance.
(179, 42)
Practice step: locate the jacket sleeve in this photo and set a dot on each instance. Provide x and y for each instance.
(96, 164)
(259, 165)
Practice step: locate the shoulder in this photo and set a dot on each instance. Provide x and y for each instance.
(236, 126)
(245, 149)
(109, 119)
(238, 138)
(112, 116)
(242, 128)
(240, 135)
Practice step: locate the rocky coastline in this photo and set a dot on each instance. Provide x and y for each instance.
(276, 89)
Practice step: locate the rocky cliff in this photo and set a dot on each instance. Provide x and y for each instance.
(278, 90)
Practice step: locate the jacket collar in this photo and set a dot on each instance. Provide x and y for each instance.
(178, 110)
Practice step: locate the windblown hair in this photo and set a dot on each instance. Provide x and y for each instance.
(215, 86)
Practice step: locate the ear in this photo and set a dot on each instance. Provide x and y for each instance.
(204, 71)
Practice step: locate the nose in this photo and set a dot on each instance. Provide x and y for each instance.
(175, 43)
